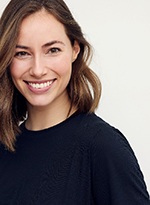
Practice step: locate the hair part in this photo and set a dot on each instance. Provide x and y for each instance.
(84, 88)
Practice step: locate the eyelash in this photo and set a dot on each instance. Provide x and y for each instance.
(21, 54)
(54, 50)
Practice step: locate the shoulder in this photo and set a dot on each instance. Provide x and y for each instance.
(114, 163)
(107, 143)
(99, 131)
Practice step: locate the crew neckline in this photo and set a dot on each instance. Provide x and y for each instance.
(53, 128)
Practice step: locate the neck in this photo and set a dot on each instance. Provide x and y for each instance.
(44, 117)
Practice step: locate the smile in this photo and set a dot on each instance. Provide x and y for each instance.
(40, 85)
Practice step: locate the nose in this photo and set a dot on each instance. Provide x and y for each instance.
(38, 68)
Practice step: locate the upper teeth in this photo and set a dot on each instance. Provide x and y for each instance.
(41, 85)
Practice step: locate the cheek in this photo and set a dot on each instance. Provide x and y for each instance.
(17, 69)
(14, 71)
(63, 66)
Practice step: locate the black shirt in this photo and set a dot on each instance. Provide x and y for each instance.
(81, 161)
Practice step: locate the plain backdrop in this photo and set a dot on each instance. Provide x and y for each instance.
(119, 31)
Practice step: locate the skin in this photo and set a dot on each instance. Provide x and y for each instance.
(41, 69)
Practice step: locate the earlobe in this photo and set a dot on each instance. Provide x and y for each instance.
(76, 51)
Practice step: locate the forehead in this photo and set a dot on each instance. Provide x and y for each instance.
(42, 24)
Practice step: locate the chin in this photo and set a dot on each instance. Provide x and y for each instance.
(38, 104)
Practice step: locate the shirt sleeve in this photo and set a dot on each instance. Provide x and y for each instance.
(116, 175)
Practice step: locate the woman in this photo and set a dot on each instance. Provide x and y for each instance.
(62, 153)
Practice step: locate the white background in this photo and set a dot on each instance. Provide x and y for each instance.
(119, 31)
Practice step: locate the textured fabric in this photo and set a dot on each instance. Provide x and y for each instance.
(81, 161)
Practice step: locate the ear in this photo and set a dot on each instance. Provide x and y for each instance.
(76, 51)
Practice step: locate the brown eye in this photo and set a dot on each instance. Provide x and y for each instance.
(54, 50)
(21, 54)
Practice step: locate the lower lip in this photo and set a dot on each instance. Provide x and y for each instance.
(40, 90)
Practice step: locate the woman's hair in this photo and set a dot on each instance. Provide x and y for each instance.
(84, 88)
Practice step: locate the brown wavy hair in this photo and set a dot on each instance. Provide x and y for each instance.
(84, 88)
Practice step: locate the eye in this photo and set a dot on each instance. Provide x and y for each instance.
(21, 54)
(54, 50)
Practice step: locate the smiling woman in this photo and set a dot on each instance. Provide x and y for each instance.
(62, 153)
(23, 55)
(42, 67)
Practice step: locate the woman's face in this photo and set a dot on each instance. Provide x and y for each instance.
(42, 65)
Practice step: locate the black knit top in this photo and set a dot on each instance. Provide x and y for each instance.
(81, 161)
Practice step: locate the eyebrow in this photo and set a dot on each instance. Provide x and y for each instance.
(53, 42)
(22, 47)
(45, 45)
